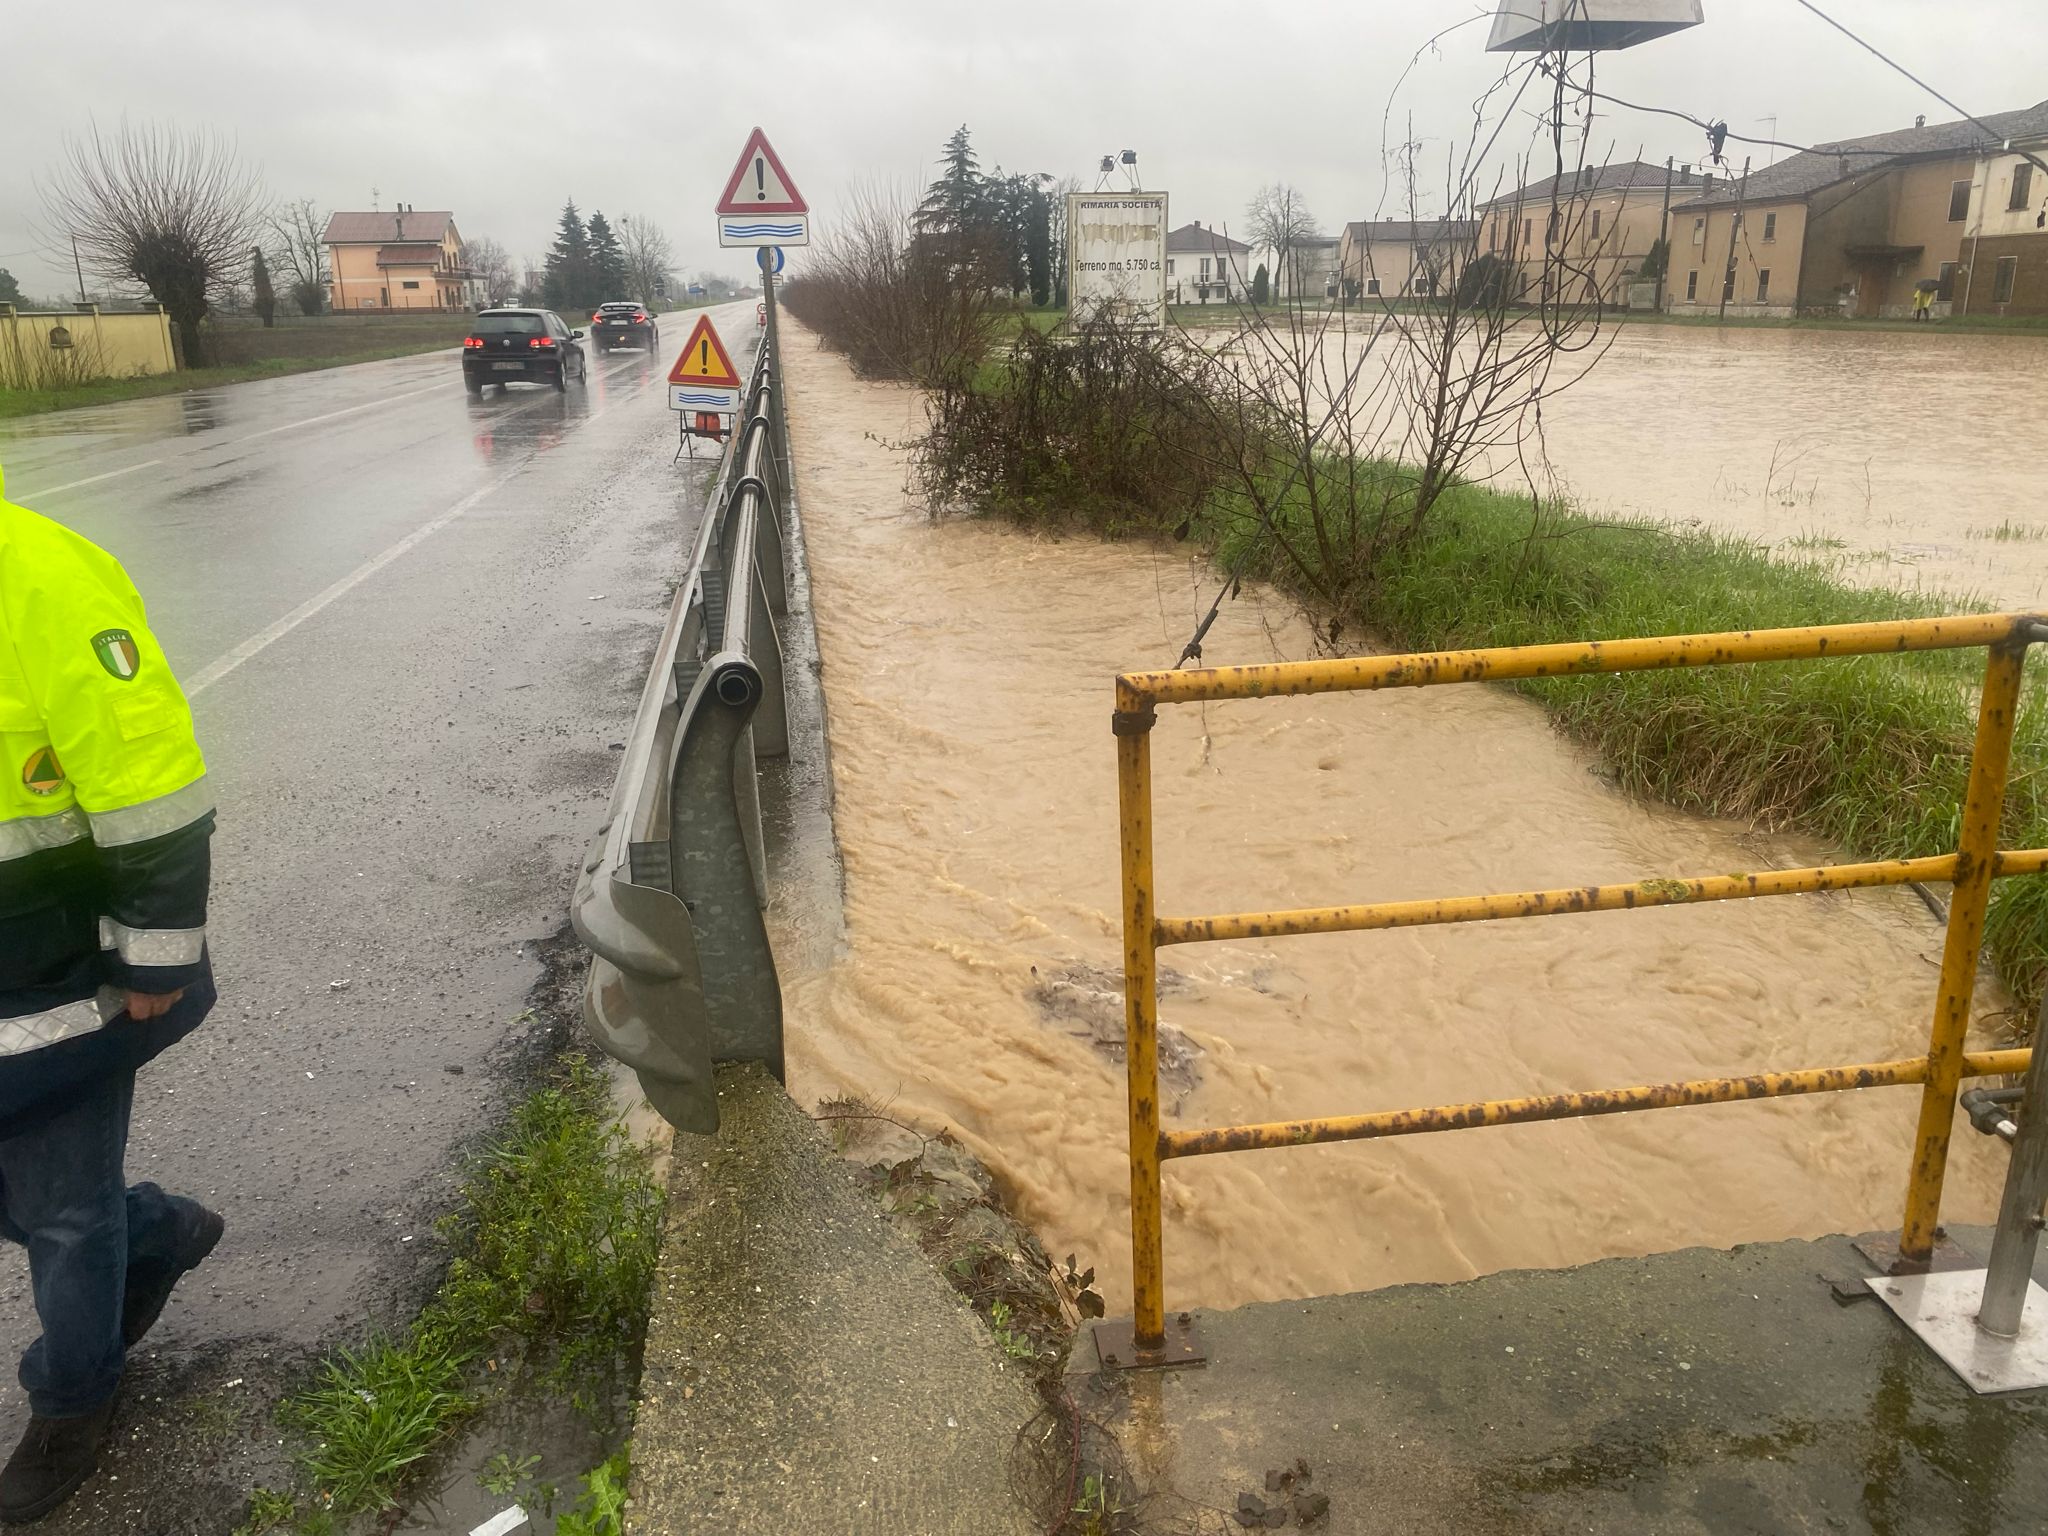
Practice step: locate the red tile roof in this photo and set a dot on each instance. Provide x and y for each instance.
(383, 228)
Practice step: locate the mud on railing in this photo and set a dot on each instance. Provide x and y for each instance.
(1977, 861)
(669, 901)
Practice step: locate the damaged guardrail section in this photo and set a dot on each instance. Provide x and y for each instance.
(669, 901)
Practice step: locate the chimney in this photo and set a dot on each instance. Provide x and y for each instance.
(398, 222)
(1706, 182)
(1920, 121)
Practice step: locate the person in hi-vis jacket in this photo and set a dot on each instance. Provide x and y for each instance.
(105, 817)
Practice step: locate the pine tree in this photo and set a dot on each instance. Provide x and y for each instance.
(263, 298)
(957, 200)
(607, 261)
(568, 280)
(1038, 244)
(1261, 286)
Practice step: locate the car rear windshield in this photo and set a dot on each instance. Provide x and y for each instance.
(511, 325)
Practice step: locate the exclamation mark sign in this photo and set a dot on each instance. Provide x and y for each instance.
(760, 179)
(704, 357)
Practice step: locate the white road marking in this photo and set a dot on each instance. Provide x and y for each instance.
(367, 405)
(263, 639)
(73, 485)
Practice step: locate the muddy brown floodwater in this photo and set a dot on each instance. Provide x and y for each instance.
(1886, 453)
(967, 676)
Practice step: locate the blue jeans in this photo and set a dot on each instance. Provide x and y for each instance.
(63, 1198)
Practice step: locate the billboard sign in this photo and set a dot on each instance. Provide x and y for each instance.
(1116, 257)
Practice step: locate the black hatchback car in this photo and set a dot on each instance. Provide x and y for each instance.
(621, 323)
(507, 345)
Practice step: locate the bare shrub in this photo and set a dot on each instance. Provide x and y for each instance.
(898, 308)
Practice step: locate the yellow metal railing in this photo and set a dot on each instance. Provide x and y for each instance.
(1970, 870)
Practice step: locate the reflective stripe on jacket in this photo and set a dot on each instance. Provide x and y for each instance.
(105, 813)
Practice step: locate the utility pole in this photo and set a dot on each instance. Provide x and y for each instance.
(79, 267)
(1734, 233)
(1664, 237)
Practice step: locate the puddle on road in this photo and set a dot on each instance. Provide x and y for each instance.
(968, 668)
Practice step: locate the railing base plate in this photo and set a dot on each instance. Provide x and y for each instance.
(1116, 1345)
(1885, 1258)
(1942, 1309)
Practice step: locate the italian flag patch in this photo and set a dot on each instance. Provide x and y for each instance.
(118, 653)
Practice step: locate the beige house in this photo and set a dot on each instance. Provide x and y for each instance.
(1390, 258)
(1854, 227)
(1587, 233)
(397, 261)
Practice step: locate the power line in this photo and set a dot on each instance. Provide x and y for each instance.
(1871, 48)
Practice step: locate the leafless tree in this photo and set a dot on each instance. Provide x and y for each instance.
(489, 260)
(296, 250)
(171, 208)
(1056, 196)
(1278, 220)
(649, 256)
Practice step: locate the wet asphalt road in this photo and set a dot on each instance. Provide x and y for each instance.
(413, 625)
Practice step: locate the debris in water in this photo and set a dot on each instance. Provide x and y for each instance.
(1093, 999)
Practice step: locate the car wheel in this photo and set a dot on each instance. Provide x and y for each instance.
(562, 376)
(475, 388)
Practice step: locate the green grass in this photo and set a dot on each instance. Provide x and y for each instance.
(30, 402)
(555, 1241)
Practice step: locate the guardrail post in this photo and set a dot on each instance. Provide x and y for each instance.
(1976, 857)
(1133, 724)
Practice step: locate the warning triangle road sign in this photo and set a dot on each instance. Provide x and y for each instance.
(704, 360)
(759, 184)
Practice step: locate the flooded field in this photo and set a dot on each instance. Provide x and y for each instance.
(1890, 452)
(967, 673)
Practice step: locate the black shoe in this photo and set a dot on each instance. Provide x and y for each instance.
(54, 1457)
(150, 1281)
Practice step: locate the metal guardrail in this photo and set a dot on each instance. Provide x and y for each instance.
(669, 901)
(1971, 869)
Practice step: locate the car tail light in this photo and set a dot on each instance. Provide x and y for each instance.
(469, 342)
(542, 341)
(639, 318)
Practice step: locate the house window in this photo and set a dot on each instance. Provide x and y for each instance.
(1596, 223)
(1947, 279)
(409, 284)
(1169, 266)
(1763, 285)
(1205, 269)
(2022, 187)
(1692, 286)
(2002, 279)
(1372, 286)
(1699, 231)
(1492, 236)
(1958, 201)
(1528, 233)
(1728, 286)
(1550, 229)
(1770, 226)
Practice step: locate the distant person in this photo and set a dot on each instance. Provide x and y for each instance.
(105, 817)
(1923, 303)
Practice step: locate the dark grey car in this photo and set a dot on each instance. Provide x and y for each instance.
(505, 346)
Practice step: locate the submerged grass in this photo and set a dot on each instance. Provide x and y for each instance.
(555, 1240)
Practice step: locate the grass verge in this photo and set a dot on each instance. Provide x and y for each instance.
(31, 402)
(555, 1240)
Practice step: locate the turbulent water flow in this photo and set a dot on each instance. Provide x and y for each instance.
(967, 674)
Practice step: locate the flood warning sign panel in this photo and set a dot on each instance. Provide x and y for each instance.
(1116, 257)
(703, 378)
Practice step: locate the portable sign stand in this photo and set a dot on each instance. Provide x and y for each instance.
(703, 387)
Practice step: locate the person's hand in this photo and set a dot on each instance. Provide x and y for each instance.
(147, 1005)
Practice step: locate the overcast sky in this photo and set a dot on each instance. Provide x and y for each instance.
(501, 111)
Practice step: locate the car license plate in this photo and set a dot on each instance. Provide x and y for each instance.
(508, 367)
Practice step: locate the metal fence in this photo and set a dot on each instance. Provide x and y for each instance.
(1970, 869)
(670, 899)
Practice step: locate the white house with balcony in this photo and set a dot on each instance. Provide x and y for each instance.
(1206, 266)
